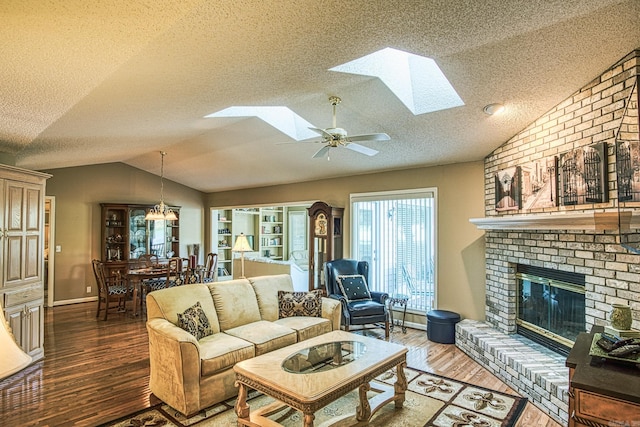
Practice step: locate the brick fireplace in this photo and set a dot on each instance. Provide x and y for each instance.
(577, 238)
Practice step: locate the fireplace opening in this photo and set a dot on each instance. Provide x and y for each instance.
(550, 308)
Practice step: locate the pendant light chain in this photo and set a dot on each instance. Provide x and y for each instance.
(162, 153)
(161, 211)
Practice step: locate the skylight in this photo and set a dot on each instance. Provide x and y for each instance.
(416, 80)
(281, 118)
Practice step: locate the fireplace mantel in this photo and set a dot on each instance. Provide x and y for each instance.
(589, 221)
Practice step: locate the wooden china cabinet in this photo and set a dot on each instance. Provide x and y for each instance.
(325, 240)
(22, 256)
(126, 235)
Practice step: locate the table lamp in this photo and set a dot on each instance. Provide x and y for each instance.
(242, 246)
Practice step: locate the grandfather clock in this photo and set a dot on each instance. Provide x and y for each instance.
(325, 240)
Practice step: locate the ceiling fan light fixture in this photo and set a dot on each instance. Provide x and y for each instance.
(335, 137)
(492, 109)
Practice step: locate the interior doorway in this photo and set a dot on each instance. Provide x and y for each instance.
(49, 249)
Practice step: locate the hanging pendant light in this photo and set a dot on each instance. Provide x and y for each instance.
(161, 211)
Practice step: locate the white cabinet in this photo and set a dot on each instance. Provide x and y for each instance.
(26, 322)
(22, 255)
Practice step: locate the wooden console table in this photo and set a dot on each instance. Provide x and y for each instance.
(604, 395)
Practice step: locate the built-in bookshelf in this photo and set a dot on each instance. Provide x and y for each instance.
(225, 243)
(265, 229)
(272, 233)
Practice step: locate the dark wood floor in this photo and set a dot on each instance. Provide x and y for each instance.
(96, 371)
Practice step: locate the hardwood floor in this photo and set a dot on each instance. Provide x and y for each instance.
(96, 371)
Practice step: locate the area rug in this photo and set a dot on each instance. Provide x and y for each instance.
(431, 400)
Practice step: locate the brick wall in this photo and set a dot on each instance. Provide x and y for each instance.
(612, 274)
(592, 114)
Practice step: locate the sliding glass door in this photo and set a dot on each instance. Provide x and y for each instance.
(395, 233)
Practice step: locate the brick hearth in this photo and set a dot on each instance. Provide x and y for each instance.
(529, 368)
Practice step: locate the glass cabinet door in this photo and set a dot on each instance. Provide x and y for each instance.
(150, 237)
(114, 233)
(159, 239)
(138, 233)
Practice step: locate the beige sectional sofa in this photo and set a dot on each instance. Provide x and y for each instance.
(191, 374)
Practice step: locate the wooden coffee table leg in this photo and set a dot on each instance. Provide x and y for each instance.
(363, 412)
(400, 385)
(242, 409)
(308, 420)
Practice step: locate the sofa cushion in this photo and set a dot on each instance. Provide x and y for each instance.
(235, 303)
(221, 351)
(292, 304)
(194, 321)
(266, 336)
(167, 303)
(354, 287)
(306, 327)
(266, 289)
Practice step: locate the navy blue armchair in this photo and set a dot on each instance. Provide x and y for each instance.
(360, 306)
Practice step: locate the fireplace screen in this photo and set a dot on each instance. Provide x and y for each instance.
(550, 311)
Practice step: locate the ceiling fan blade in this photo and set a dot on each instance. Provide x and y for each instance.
(370, 137)
(314, 139)
(321, 152)
(361, 149)
(322, 132)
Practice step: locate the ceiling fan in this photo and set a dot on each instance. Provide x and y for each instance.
(335, 137)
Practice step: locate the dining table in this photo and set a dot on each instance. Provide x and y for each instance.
(137, 276)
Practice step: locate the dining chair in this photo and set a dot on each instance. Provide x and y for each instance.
(157, 283)
(148, 260)
(177, 272)
(142, 262)
(210, 268)
(202, 273)
(158, 249)
(111, 289)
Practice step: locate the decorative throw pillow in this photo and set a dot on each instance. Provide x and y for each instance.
(291, 304)
(354, 287)
(195, 321)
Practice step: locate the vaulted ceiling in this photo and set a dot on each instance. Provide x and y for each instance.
(94, 82)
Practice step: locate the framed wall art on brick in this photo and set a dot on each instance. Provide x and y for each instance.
(540, 183)
(508, 190)
(628, 150)
(628, 170)
(583, 175)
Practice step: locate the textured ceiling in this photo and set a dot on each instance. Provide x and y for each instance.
(117, 81)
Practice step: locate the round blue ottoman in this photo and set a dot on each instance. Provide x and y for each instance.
(441, 326)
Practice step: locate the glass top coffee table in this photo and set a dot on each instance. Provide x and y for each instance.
(311, 374)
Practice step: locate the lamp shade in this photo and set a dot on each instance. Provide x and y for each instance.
(242, 244)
